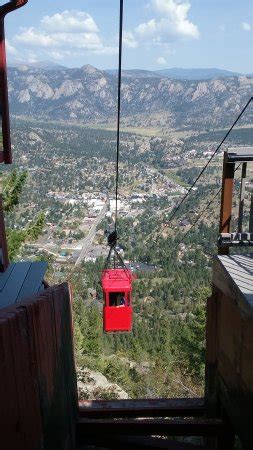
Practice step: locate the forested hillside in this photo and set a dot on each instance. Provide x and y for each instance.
(70, 169)
(164, 355)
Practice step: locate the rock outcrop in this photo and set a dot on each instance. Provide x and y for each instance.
(94, 385)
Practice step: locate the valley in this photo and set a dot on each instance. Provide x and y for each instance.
(70, 162)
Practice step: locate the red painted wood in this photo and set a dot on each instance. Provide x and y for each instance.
(118, 318)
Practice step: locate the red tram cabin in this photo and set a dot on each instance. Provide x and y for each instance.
(117, 290)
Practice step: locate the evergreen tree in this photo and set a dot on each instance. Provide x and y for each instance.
(13, 186)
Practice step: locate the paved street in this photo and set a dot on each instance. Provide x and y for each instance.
(87, 243)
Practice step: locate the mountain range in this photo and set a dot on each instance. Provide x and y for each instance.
(177, 73)
(89, 95)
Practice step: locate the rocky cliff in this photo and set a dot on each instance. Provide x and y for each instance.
(89, 95)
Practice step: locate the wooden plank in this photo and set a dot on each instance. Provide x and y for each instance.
(233, 283)
(27, 394)
(4, 276)
(175, 407)
(233, 275)
(64, 341)
(4, 257)
(33, 280)
(239, 407)
(231, 333)
(37, 373)
(147, 427)
(56, 367)
(140, 443)
(13, 286)
(9, 414)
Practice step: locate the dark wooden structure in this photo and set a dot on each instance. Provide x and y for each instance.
(229, 389)
(4, 257)
(38, 395)
(238, 237)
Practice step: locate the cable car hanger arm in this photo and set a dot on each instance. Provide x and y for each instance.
(11, 6)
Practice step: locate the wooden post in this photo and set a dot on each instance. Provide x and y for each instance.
(226, 441)
(242, 194)
(251, 214)
(4, 258)
(226, 199)
(4, 101)
(5, 153)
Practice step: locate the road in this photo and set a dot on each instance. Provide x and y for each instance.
(87, 243)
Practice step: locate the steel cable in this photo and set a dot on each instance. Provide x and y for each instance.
(174, 212)
(119, 108)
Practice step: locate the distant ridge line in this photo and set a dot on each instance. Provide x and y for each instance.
(193, 74)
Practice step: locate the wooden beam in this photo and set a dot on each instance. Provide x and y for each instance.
(4, 258)
(226, 199)
(148, 427)
(174, 407)
(242, 195)
(139, 442)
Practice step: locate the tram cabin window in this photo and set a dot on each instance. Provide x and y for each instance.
(117, 299)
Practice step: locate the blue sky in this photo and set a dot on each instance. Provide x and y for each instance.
(157, 33)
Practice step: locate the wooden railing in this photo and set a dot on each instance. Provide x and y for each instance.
(229, 383)
(38, 394)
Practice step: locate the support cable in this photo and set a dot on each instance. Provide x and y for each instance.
(119, 107)
(207, 206)
(203, 211)
(113, 236)
(174, 212)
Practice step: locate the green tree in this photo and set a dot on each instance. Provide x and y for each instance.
(190, 341)
(13, 186)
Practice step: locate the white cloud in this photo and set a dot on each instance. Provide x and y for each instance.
(103, 50)
(70, 22)
(32, 58)
(33, 38)
(129, 40)
(57, 56)
(70, 33)
(246, 26)
(171, 22)
(11, 49)
(161, 61)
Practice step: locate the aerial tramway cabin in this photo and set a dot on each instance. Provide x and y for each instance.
(117, 291)
(39, 406)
